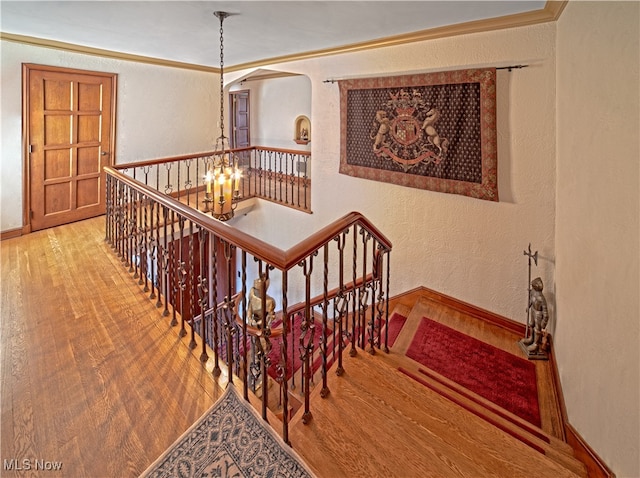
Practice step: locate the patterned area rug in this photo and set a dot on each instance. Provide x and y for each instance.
(229, 440)
(498, 376)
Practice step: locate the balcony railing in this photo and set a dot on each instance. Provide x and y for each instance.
(327, 294)
(277, 175)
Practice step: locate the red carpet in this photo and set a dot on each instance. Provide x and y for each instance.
(498, 376)
(396, 322)
(293, 343)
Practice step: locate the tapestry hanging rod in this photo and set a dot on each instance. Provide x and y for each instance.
(508, 68)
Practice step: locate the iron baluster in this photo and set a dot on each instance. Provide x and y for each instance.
(119, 221)
(260, 175)
(132, 230)
(168, 188)
(341, 303)
(144, 245)
(386, 313)
(282, 367)
(216, 327)
(269, 177)
(325, 309)
(305, 182)
(265, 332)
(146, 170)
(188, 183)
(158, 258)
(137, 238)
(285, 182)
(203, 294)
(165, 261)
(191, 286)
(353, 352)
(182, 273)
(108, 210)
(245, 360)
(228, 315)
(307, 332)
(280, 176)
(364, 325)
(123, 224)
(295, 187)
(174, 271)
(152, 252)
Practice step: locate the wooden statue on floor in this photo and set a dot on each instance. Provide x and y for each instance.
(535, 344)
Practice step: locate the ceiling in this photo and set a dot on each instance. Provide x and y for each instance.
(255, 32)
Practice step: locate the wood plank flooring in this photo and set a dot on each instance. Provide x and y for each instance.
(93, 377)
(402, 429)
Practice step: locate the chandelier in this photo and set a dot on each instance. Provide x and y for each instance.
(223, 174)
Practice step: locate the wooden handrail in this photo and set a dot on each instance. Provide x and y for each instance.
(153, 162)
(279, 150)
(282, 260)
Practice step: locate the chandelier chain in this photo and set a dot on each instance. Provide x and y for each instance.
(221, 76)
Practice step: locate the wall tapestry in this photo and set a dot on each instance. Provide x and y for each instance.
(433, 131)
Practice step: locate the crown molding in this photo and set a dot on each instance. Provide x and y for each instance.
(550, 13)
(116, 55)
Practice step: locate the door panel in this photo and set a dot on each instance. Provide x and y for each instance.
(240, 118)
(70, 137)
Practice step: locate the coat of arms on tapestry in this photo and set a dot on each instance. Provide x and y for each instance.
(433, 131)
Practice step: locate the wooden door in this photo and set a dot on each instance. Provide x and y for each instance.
(240, 119)
(69, 138)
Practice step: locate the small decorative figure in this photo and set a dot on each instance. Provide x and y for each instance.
(534, 345)
(254, 312)
(260, 343)
(304, 134)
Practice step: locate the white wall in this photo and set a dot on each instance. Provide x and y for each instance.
(160, 112)
(472, 249)
(468, 248)
(597, 238)
(275, 105)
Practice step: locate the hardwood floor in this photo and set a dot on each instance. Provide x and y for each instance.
(93, 377)
(404, 429)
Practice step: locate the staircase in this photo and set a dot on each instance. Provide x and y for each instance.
(379, 421)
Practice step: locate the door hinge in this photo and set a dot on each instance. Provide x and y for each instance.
(30, 148)
(31, 214)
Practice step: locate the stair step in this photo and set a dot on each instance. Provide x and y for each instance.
(560, 451)
(405, 429)
(536, 437)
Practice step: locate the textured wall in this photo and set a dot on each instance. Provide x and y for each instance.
(468, 248)
(275, 105)
(160, 112)
(598, 240)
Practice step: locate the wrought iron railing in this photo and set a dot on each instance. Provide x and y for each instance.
(277, 175)
(199, 271)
